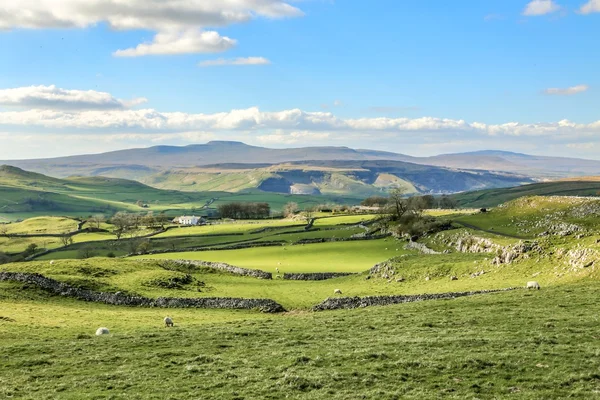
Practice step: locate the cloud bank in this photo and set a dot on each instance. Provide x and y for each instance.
(180, 26)
(51, 97)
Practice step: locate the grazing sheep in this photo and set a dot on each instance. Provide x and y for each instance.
(102, 331)
(337, 291)
(51, 262)
(427, 278)
(168, 322)
(533, 285)
(277, 269)
(453, 278)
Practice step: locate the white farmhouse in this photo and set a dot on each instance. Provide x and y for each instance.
(189, 220)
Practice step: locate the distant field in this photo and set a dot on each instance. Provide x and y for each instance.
(356, 256)
(43, 225)
(494, 197)
(225, 228)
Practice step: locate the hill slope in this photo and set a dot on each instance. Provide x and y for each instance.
(138, 163)
(349, 178)
(494, 197)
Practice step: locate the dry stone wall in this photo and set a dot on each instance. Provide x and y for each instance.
(317, 276)
(63, 289)
(336, 303)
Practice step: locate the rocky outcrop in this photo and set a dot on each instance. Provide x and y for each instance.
(317, 276)
(420, 247)
(468, 243)
(359, 302)
(63, 289)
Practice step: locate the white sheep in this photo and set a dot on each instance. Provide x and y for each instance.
(168, 322)
(533, 285)
(51, 262)
(337, 291)
(102, 331)
(453, 278)
(277, 269)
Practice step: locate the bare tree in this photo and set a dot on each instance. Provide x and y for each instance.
(96, 220)
(290, 209)
(66, 239)
(397, 204)
(309, 213)
(123, 223)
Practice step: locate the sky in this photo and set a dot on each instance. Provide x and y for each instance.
(419, 77)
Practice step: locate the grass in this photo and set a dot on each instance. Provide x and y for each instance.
(519, 344)
(494, 197)
(43, 225)
(526, 345)
(25, 194)
(354, 256)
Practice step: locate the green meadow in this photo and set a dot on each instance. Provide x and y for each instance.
(515, 344)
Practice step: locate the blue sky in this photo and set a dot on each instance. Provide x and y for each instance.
(418, 77)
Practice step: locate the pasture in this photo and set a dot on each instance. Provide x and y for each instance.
(516, 344)
(353, 256)
(526, 345)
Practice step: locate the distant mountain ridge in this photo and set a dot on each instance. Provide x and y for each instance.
(235, 166)
(145, 161)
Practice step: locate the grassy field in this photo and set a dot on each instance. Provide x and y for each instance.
(322, 257)
(518, 344)
(522, 345)
(494, 197)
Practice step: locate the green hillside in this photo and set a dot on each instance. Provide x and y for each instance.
(518, 343)
(494, 197)
(25, 194)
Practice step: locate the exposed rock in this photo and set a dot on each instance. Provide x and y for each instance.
(359, 302)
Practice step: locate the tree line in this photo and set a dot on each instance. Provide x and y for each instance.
(244, 210)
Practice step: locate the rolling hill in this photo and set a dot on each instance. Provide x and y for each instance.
(140, 163)
(494, 197)
(348, 178)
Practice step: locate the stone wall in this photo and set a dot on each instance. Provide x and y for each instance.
(221, 266)
(358, 302)
(63, 289)
(350, 239)
(317, 276)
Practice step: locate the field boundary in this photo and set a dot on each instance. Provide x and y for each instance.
(119, 299)
(337, 303)
(315, 276)
(220, 266)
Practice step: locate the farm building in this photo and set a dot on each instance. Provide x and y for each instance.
(189, 220)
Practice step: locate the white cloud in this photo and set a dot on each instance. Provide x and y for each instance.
(185, 42)
(156, 15)
(294, 120)
(567, 91)
(592, 6)
(51, 97)
(292, 138)
(179, 24)
(235, 61)
(540, 7)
